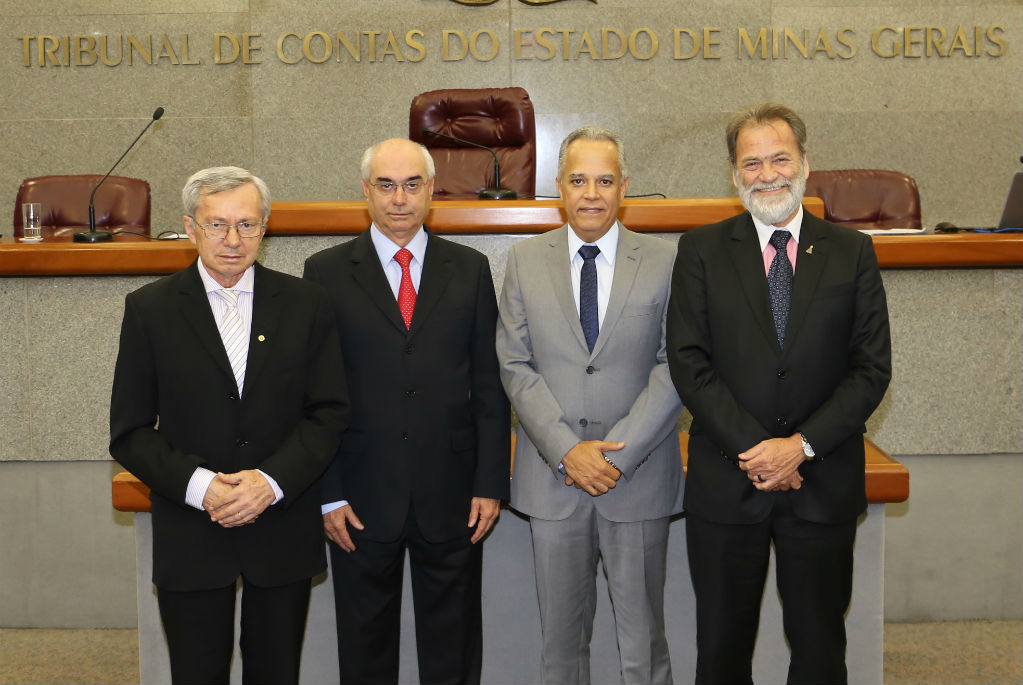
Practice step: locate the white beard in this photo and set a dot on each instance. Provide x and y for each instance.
(772, 210)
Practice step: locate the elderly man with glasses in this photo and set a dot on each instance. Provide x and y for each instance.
(425, 461)
(229, 401)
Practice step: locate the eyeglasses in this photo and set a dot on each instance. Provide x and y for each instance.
(218, 230)
(390, 187)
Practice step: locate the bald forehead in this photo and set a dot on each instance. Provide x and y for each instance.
(397, 160)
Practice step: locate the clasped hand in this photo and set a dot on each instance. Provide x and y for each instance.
(235, 499)
(587, 469)
(772, 464)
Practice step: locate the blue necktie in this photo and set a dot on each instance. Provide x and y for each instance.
(588, 316)
(779, 283)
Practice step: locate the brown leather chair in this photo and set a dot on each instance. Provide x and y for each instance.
(500, 118)
(867, 198)
(121, 202)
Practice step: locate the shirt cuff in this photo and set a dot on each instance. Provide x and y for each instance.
(327, 508)
(278, 493)
(198, 484)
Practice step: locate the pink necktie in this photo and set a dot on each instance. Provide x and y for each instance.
(406, 293)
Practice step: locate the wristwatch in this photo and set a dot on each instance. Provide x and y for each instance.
(807, 450)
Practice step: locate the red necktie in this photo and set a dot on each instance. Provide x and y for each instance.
(406, 293)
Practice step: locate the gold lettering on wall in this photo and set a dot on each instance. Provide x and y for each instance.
(543, 44)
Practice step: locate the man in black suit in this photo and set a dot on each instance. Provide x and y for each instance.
(778, 342)
(228, 402)
(425, 461)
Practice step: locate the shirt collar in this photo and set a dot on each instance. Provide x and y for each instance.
(608, 244)
(386, 248)
(764, 231)
(244, 284)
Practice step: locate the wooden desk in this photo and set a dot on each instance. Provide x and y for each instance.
(887, 479)
(128, 254)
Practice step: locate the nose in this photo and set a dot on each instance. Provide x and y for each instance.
(400, 196)
(590, 191)
(768, 172)
(233, 238)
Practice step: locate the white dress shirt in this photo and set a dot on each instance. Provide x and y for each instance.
(201, 478)
(605, 263)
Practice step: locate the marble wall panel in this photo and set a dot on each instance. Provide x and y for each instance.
(12, 8)
(957, 377)
(74, 326)
(15, 372)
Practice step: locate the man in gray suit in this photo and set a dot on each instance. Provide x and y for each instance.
(597, 466)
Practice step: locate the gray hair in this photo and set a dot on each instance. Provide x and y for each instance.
(760, 114)
(592, 133)
(217, 179)
(367, 160)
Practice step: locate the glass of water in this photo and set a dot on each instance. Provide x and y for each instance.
(31, 222)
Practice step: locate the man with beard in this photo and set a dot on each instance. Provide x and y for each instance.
(778, 342)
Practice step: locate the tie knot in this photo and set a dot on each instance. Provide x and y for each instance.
(780, 239)
(403, 257)
(229, 296)
(589, 252)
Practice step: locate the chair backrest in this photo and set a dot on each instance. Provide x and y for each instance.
(500, 118)
(120, 202)
(867, 198)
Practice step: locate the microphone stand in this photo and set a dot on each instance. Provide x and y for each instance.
(92, 235)
(495, 193)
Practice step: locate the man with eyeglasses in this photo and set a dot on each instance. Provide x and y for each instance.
(425, 461)
(229, 401)
(597, 464)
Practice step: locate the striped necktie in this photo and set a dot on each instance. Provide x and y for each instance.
(234, 335)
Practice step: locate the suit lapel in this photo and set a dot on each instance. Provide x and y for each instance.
(627, 263)
(369, 274)
(560, 272)
(811, 259)
(748, 261)
(266, 314)
(195, 308)
(437, 272)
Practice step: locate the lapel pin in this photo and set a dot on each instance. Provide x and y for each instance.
(809, 250)
(261, 338)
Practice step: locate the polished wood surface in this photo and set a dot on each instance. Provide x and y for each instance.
(129, 254)
(887, 479)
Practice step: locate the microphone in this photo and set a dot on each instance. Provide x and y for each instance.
(495, 193)
(92, 235)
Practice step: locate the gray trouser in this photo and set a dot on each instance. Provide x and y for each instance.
(634, 557)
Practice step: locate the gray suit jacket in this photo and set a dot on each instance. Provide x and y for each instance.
(563, 394)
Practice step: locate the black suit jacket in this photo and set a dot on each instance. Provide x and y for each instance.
(430, 421)
(175, 406)
(742, 388)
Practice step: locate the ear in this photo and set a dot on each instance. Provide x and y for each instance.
(806, 167)
(557, 184)
(625, 186)
(365, 189)
(190, 228)
(735, 177)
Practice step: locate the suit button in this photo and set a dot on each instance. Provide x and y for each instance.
(782, 421)
(583, 423)
(232, 395)
(782, 373)
(404, 435)
(410, 350)
(241, 443)
(590, 369)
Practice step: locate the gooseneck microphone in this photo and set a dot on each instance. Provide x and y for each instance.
(92, 235)
(495, 193)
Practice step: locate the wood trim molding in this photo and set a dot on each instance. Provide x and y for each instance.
(887, 479)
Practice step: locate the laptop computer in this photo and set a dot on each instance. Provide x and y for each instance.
(1012, 215)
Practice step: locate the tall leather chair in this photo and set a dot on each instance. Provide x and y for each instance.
(500, 118)
(867, 198)
(121, 202)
